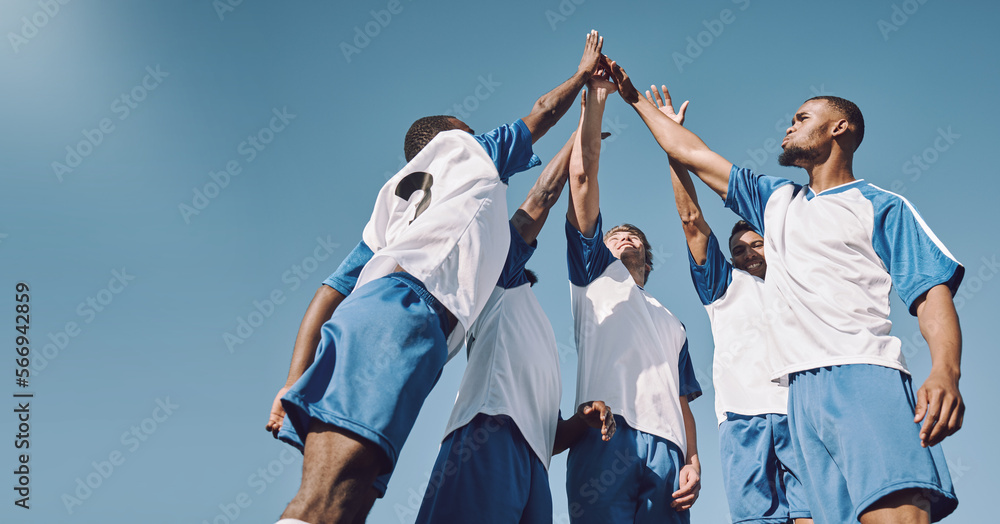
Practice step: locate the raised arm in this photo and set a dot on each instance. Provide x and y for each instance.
(695, 227)
(320, 309)
(585, 199)
(939, 403)
(678, 142)
(530, 217)
(553, 105)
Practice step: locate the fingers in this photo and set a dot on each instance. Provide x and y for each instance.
(683, 109)
(659, 100)
(921, 405)
(685, 497)
(931, 411)
(947, 418)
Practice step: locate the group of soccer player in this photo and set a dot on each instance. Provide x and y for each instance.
(817, 416)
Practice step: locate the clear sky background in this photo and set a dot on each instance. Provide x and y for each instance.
(135, 280)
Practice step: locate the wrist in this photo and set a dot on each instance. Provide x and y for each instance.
(952, 371)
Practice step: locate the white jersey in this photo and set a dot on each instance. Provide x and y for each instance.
(443, 219)
(832, 258)
(632, 350)
(513, 365)
(741, 372)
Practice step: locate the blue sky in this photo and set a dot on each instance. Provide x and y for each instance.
(218, 161)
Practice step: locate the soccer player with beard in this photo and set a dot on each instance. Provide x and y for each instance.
(633, 354)
(400, 305)
(865, 445)
(758, 462)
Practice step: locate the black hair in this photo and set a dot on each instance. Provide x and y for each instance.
(423, 131)
(850, 111)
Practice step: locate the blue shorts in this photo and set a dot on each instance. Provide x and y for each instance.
(381, 353)
(487, 473)
(855, 441)
(630, 478)
(759, 469)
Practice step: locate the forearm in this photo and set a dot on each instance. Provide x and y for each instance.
(691, 435)
(568, 433)
(686, 147)
(551, 106)
(939, 325)
(545, 193)
(320, 309)
(695, 227)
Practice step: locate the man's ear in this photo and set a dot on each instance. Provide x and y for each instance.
(839, 128)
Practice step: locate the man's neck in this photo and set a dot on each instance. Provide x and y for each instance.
(831, 173)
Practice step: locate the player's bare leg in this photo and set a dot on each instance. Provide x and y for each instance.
(338, 469)
(909, 506)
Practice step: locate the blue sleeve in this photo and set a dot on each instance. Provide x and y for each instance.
(915, 258)
(712, 279)
(346, 276)
(517, 256)
(586, 257)
(689, 386)
(510, 148)
(748, 193)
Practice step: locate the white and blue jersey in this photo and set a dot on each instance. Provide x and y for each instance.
(734, 300)
(633, 352)
(458, 191)
(513, 365)
(832, 258)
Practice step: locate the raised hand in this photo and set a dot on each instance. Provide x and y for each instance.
(598, 415)
(625, 87)
(601, 81)
(591, 53)
(665, 106)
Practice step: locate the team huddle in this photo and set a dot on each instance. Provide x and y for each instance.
(818, 421)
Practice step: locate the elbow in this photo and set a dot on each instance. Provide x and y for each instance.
(690, 219)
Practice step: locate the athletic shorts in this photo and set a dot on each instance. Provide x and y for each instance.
(855, 441)
(381, 353)
(630, 478)
(759, 469)
(486, 473)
